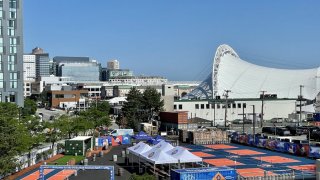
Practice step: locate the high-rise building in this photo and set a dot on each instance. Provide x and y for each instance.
(77, 68)
(11, 51)
(114, 64)
(43, 63)
(29, 72)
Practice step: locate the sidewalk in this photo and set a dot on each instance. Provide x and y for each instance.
(31, 168)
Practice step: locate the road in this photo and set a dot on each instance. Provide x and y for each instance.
(47, 113)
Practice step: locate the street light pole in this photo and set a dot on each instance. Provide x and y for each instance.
(300, 99)
(254, 119)
(214, 113)
(262, 106)
(243, 118)
(226, 107)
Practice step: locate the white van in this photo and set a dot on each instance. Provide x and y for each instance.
(121, 132)
(220, 122)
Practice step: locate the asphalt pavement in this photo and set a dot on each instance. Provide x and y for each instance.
(128, 167)
(47, 113)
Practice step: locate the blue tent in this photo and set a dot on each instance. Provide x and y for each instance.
(142, 136)
(155, 140)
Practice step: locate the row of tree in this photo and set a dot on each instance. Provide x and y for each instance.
(21, 130)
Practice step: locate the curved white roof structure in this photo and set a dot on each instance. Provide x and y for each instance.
(247, 80)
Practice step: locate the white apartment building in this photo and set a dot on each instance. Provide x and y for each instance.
(113, 64)
(29, 73)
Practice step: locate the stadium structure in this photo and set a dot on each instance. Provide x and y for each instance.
(235, 83)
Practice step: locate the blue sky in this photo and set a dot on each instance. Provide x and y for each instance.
(176, 39)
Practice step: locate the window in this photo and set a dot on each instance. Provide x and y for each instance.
(0, 63)
(59, 96)
(1, 45)
(180, 106)
(13, 4)
(11, 32)
(234, 105)
(202, 106)
(218, 106)
(1, 80)
(174, 106)
(13, 14)
(229, 105)
(207, 106)
(11, 24)
(239, 105)
(13, 80)
(13, 49)
(197, 106)
(244, 105)
(11, 62)
(13, 41)
(212, 106)
(12, 98)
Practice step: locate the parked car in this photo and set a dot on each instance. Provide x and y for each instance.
(276, 120)
(295, 130)
(268, 129)
(282, 131)
(237, 121)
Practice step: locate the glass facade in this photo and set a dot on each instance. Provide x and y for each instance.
(81, 72)
(11, 52)
(43, 65)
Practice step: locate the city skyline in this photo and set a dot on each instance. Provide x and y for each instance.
(173, 39)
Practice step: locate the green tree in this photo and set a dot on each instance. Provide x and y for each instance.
(33, 136)
(30, 107)
(66, 125)
(81, 124)
(141, 107)
(53, 132)
(98, 113)
(11, 141)
(151, 102)
(132, 108)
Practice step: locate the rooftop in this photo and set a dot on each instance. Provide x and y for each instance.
(80, 138)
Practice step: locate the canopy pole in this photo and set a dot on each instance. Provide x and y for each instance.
(169, 169)
(139, 164)
(132, 160)
(154, 168)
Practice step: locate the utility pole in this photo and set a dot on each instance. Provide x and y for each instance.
(214, 112)
(300, 99)
(243, 119)
(226, 107)
(262, 107)
(254, 119)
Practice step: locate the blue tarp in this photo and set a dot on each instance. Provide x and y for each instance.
(141, 136)
(155, 140)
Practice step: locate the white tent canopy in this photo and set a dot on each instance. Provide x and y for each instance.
(163, 145)
(139, 148)
(183, 155)
(158, 156)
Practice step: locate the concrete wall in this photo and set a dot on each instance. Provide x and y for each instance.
(274, 108)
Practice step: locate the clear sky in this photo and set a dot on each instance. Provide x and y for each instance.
(176, 39)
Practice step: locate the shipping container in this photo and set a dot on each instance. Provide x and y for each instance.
(180, 117)
(213, 173)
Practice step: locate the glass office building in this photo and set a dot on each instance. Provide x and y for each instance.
(11, 52)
